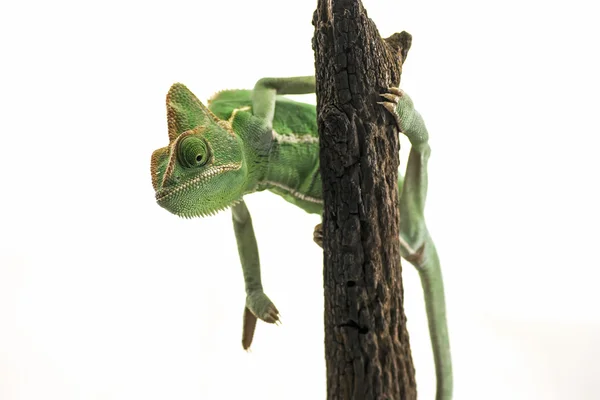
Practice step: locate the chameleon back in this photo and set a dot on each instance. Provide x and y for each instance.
(291, 117)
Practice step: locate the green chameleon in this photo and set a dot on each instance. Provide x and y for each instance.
(247, 141)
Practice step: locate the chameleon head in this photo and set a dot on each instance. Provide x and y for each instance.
(196, 175)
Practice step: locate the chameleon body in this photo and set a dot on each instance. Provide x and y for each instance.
(248, 141)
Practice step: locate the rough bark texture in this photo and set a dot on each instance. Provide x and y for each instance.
(367, 348)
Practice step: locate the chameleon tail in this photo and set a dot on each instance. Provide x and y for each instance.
(427, 262)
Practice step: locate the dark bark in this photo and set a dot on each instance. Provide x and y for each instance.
(367, 348)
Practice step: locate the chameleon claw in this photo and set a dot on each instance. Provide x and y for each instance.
(391, 97)
(391, 107)
(388, 106)
(396, 91)
(262, 307)
(272, 317)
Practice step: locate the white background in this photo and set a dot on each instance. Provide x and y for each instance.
(104, 295)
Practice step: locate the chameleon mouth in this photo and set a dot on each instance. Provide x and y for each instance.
(211, 172)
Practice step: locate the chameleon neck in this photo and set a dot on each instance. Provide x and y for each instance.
(293, 172)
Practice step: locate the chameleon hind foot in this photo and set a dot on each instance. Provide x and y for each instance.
(262, 307)
(318, 235)
(392, 96)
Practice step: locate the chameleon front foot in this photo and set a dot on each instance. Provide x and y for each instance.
(392, 96)
(257, 305)
(262, 307)
(318, 235)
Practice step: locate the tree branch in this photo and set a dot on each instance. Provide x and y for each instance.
(367, 348)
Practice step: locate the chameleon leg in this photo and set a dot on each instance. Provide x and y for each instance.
(416, 245)
(266, 90)
(257, 302)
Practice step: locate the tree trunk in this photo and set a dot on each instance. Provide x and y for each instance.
(366, 342)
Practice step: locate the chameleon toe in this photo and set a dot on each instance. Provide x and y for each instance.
(396, 91)
(391, 97)
(391, 107)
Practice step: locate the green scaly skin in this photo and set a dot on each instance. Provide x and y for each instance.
(255, 140)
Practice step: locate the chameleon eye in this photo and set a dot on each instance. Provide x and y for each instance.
(193, 152)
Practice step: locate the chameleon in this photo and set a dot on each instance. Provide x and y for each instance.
(247, 141)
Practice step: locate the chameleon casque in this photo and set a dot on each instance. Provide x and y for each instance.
(253, 140)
